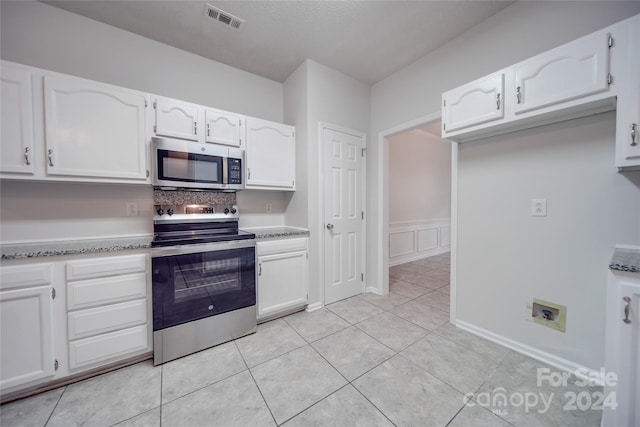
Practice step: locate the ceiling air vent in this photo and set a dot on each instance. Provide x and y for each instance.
(224, 18)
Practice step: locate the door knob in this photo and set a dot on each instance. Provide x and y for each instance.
(329, 226)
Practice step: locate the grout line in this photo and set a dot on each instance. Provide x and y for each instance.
(161, 381)
(255, 382)
(56, 405)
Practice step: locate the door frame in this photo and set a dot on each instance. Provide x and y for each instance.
(382, 223)
(321, 224)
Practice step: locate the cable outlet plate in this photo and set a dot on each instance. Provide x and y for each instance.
(549, 314)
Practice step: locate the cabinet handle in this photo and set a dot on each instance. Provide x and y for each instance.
(627, 303)
(26, 156)
(634, 134)
(50, 152)
(498, 101)
(195, 128)
(260, 269)
(518, 95)
(249, 173)
(208, 130)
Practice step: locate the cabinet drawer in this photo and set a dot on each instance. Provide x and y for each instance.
(111, 266)
(280, 246)
(91, 351)
(22, 276)
(94, 321)
(106, 290)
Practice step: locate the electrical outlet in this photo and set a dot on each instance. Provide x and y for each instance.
(268, 207)
(538, 207)
(132, 209)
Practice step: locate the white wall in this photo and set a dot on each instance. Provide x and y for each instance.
(507, 257)
(587, 211)
(58, 211)
(331, 97)
(40, 35)
(419, 177)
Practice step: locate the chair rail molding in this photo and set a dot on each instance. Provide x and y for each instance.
(412, 240)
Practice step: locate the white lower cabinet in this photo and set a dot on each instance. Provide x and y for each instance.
(622, 355)
(70, 315)
(108, 309)
(283, 278)
(27, 325)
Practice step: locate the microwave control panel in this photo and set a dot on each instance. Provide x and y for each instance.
(235, 171)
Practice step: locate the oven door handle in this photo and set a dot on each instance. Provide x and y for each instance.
(165, 251)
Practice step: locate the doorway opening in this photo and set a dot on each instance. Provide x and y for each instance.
(419, 171)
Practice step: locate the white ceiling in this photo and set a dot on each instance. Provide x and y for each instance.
(368, 40)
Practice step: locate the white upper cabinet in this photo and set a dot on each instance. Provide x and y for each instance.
(270, 155)
(577, 79)
(94, 130)
(628, 123)
(223, 127)
(178, 119)
(568, 72)
(17, 121)
(474, 103)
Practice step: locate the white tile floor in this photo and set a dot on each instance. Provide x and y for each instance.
(367, 361)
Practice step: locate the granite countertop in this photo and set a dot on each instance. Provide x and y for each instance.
(73, 247)
(626, 260)
(277, 232)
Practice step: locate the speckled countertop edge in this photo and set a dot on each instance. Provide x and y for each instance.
(626, 260)
(72, 247)
(277, 232)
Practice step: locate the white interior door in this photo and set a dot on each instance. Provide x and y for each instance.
(343, 214)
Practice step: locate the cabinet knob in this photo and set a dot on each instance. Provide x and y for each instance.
(26, 156)
(634, 134)
(627, 304)
(329, 226)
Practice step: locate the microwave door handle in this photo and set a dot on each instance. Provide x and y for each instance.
(225, 170)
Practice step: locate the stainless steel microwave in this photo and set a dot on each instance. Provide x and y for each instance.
(184, 164)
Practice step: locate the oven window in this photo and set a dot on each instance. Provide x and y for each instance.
(193, 286)
(189, 167)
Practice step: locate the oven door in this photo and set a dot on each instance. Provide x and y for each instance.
(192, 282)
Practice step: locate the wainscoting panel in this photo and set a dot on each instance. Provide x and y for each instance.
(409, 241)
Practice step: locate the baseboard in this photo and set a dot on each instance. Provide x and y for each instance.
(313, 307)
(580, 371)
(372, 290)
(417, 256)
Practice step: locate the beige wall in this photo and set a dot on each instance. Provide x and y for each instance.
(419, 177)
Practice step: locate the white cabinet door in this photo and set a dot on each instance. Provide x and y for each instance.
(270, 155)
(282, 282)
(94, 130)
(282, 276)
(474, 103)
(628, 116)
(223, 127)
(568, 72)
(16, 121)
(27, 330)
(622, 355)
(178, 119)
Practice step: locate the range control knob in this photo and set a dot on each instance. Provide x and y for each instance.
(234, 210)
(170, 211)
(226, 211)
(160, 211)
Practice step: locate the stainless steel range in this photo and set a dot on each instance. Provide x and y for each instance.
(203, 280)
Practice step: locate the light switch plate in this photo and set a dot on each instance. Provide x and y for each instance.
(538, 207)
